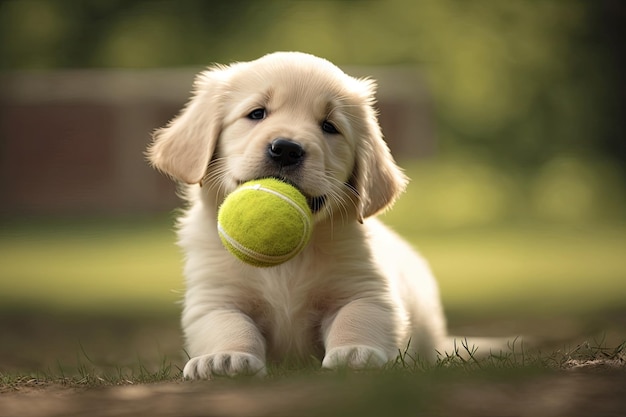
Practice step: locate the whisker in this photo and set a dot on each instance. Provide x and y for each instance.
(339, 195)
(215, 177)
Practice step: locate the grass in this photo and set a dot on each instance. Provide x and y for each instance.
(134, 265)
(552, 268)
(92, 304)
(89, 374)
(91, 265)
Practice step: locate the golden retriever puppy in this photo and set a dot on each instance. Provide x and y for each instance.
(358, 294)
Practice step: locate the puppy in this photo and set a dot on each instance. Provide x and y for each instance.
(357, 295)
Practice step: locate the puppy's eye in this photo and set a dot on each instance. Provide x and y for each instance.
(328, 127)
(257, 114)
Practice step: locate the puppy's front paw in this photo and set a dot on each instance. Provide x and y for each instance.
(223, 364)
(354, 357)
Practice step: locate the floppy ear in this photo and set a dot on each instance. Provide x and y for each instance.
(376, 177)
(184, 147)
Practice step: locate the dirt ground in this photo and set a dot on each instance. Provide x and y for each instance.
(574, 393)
(44, 347)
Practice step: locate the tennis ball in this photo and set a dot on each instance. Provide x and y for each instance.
(264, 222)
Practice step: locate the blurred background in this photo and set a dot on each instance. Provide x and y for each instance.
(508, 117)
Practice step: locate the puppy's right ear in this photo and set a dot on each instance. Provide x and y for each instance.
(185, 146)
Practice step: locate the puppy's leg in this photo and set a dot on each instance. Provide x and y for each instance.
(224, 342)
(361, 335)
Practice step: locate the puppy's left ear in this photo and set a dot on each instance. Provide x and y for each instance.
(185, 146)
(376, 177)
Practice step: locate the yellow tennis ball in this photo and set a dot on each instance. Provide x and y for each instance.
(265, 222)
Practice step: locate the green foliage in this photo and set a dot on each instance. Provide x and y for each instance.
(514, 81)
(467, 191)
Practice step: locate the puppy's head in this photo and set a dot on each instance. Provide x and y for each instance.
(287, 115)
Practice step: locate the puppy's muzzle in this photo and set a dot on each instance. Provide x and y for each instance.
(285, 152)
(286, 155)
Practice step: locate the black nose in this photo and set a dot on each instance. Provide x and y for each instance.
(285, 152)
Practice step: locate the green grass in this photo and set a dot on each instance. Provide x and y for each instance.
(88, 373)
(529, 269)
(133, 264)
(91, 265)
(99, 275)
(493, 387)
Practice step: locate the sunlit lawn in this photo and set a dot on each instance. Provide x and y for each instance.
(91, 270)
(529, 269)
(134, 265)
(102, 265)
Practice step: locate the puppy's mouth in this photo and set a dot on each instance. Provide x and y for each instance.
(316, 203)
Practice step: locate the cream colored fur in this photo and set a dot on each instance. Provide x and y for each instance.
(358, 294)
